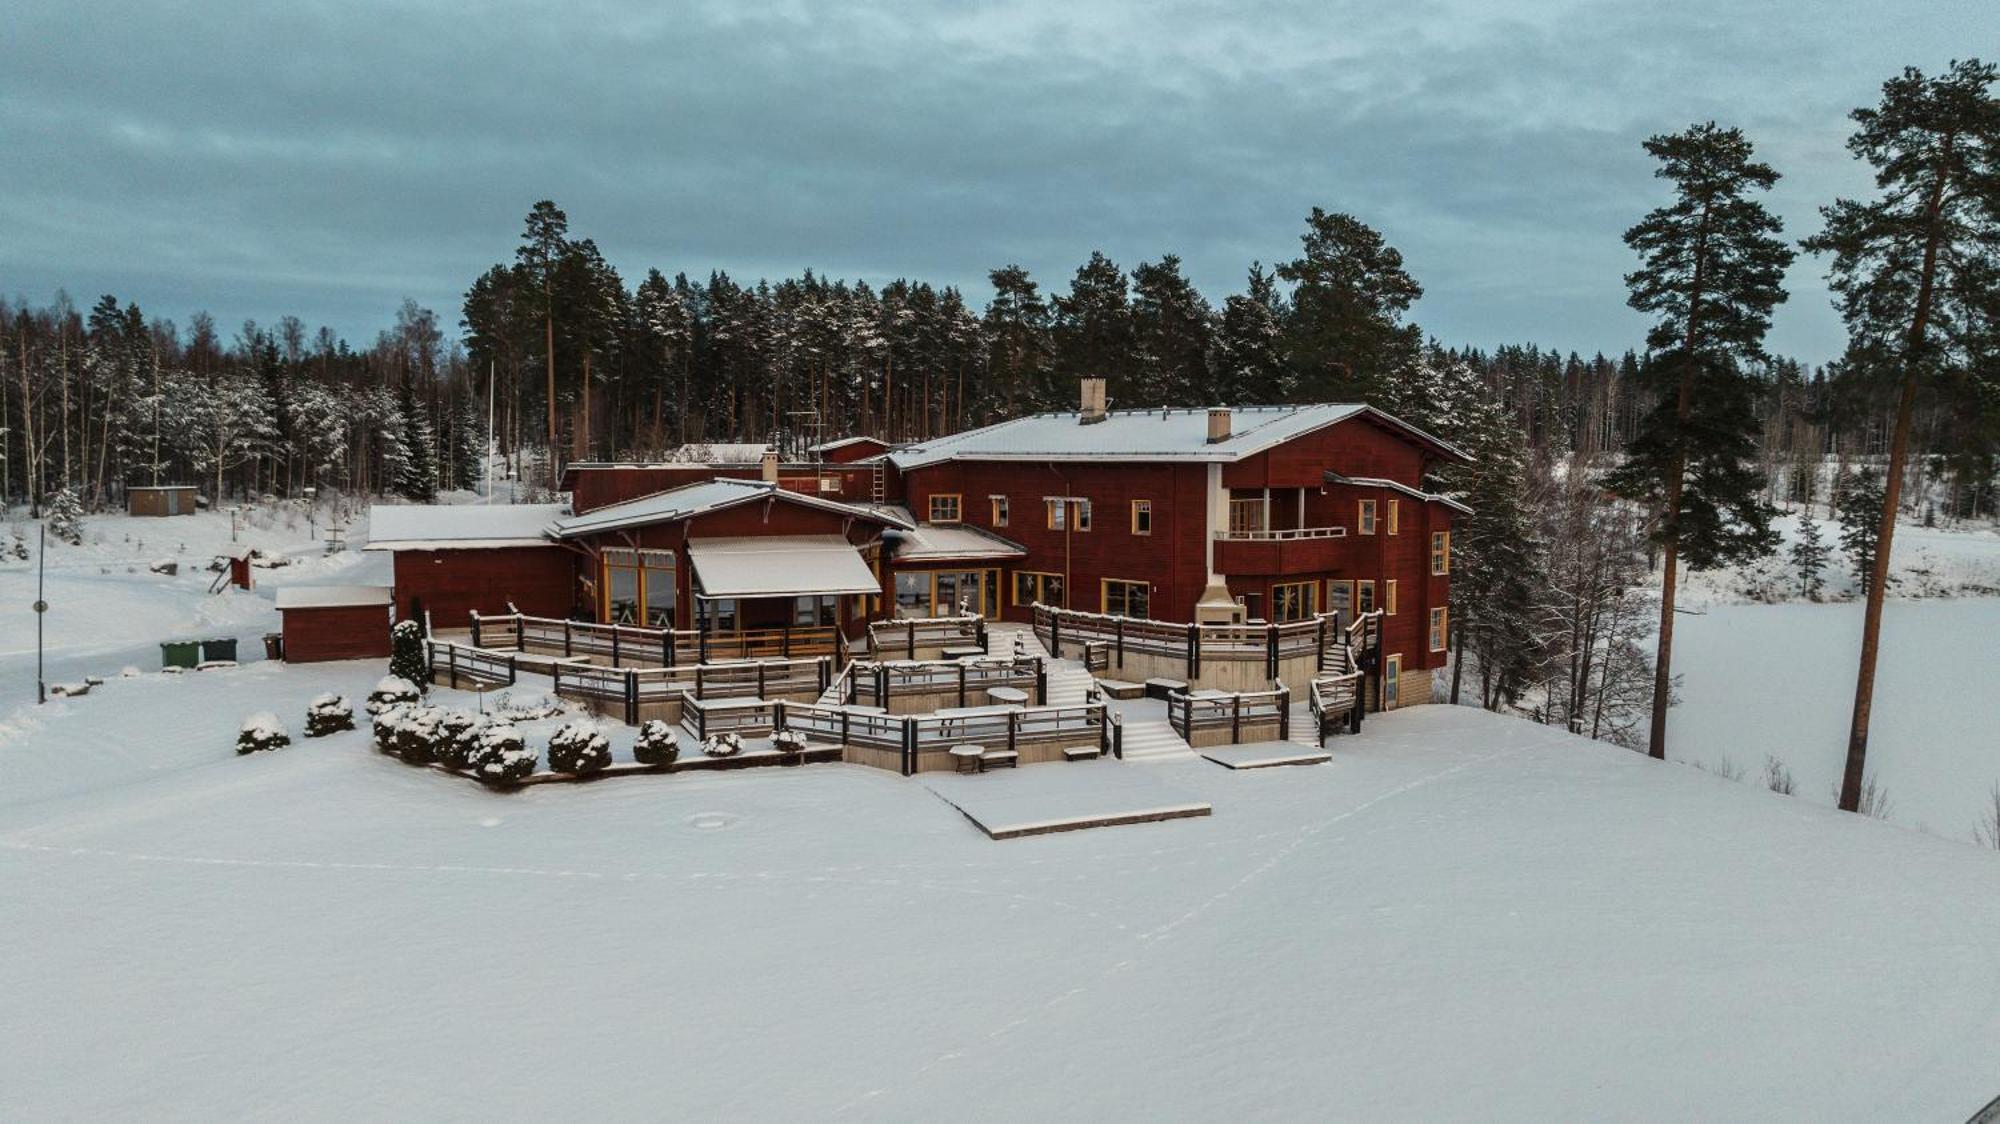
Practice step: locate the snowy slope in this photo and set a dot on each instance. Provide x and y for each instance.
(1460, 916)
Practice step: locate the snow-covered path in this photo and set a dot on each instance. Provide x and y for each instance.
(1462, 915)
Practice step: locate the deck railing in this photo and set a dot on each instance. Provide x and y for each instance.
(923, 741)
(1190, 643)
(624, 645)
(903, 639)
(634, 687)
(1193, 714)
(876, 684)
(1292, 534)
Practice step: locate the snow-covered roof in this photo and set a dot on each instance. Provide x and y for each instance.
(719, 452)
(1333, 477)
(844, 442)
(159, 487)
(780, 565)
(459, 526)
(1144, 435)
(699, 499)
(333, 596)
(944, 542)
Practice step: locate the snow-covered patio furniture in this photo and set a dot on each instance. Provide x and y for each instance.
(968, 758)
(1082, 753)
(999, 759)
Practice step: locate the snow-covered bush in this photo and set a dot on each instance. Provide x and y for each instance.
(530, 709)
(327, 714)
(657, 744)
(391, 690)
(406, 653)
(19, 549)
(500, 757)
(262, 731)
(728, 743)
(579, 747)
(387, 723)
(789, 742)
(66, 517)
(165, 566)
(464, 730)
(419, 734)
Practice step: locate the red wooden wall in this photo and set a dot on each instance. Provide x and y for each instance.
(336, 632)
(450, 584)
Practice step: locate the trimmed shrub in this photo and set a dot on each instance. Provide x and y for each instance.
(789, 742)
(419, 734)
(262, 731)
(389, 691)
(458, 731)
(728, 743)
(657, 744)
(386, 724)
(406, 654)
(328, 714)
(580, 748)
(499, 756)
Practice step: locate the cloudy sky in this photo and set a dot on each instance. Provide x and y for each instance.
(326, 159)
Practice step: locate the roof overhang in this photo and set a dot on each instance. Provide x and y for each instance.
(1333, 477)
(930, 542)
(701, 499)
(780, 566)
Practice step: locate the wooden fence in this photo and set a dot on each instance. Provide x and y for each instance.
(1190, 644)
(634, 691)
(625, 645)
(1204, 718)
(946, 682)
(904, 639)
(916, 743)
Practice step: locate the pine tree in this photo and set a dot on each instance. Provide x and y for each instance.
(1249, 365)
(416, 474)
(1173, 331)
(1861, 527)
(1810, 554)
(1344, 333)
(1090, 328)
(1914, 277)
(65, 519)
(1712, 269)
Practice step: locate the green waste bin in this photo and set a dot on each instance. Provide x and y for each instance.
(220, 649)
(180, 653)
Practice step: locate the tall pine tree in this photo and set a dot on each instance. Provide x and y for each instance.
(1914, 276)
(1712, 269)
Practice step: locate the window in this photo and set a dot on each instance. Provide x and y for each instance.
(1065, 512)
(913, 593)
(945, 507)
(1366, 517)
(1395, 516)
(1340, 598)
(1294, 601)
(823, 609)
(1127, 598)
(639, 588)
(1364, 597)
(1392, 682)
(1246, 517)
(1440, 553)
(955, 593)
(1030, 587)
(999, 510)
(1142, 517)
(1389, 596)
(717, 614)
(1440, 624)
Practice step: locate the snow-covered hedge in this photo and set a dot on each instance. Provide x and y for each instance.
(262, 730)
(419, 734)
(458, 732)
(327, 714)
(728, 743)
(389, 691)
(387, 721)
(500, 755)
(579, 747)
(789, 742)
(406, 654)
(657, 744)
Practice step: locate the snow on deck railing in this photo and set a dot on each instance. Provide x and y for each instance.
(1191, 643)
(624, 643)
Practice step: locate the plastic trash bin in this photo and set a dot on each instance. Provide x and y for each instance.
(180, 653)
(274, 645)
(222, 648)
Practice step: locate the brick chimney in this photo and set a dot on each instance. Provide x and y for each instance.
(1218, 424)
(1092, 410)
(769, 465)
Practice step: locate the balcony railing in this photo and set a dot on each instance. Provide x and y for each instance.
(1282, 536)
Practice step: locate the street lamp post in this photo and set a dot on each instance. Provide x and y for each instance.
(41, 610)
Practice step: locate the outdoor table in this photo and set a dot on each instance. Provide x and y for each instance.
(1007, 696)
(966, 757)
(964, 653)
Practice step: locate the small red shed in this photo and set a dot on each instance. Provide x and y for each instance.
(335, 622)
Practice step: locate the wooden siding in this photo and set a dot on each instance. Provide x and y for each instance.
(339, 632)
(450, 584)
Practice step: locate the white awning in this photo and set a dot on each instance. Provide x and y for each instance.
(780, 566)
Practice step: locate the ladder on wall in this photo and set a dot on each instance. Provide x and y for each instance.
(878, 485)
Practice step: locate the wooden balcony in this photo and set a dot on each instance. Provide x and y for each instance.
(1300, 550)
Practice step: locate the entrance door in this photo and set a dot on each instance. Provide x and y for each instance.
(1392, 675)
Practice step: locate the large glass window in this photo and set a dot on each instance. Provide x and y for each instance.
(1030, 587)
(808, 612)
(1246, 517)
(1127, 598)
(1294, 601)
(639, 587)
(621, 587)
(718, 614)
(913, 593)
(1340, 598)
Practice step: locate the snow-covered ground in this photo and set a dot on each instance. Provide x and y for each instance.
(1925, 562)
(1462, 915)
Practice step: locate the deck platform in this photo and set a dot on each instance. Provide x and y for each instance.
(1265, 755)
(1062, 797)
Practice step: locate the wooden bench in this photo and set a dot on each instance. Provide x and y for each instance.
(998, 759)
(1160, 688)
(1120, 689)
(1082, 753)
